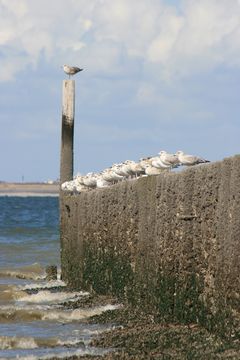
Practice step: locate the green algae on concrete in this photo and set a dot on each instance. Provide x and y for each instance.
(106, 271)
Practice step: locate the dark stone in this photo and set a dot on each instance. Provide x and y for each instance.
(51, 272)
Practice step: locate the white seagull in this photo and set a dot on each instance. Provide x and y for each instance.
(158, 163)
(152, 170)
(71, 70)
(111, 176)
(168, 159)
(117, 168)
(126, 168)
(189, 160)
(101, 183)
(90, 180)
(136, 168)
(144, 162)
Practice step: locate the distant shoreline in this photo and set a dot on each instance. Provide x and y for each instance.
(28, 189)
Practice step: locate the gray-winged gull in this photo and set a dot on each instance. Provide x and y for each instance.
(189, 160)
(71, 70)
(152, 170)
(168, 159)
(157, 163)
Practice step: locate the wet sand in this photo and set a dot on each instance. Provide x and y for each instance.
(29, 189)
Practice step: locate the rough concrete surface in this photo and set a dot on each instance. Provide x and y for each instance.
(169, 244)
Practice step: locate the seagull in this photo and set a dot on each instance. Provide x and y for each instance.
(144, 162)
(90, 180)
(101, 183)
(73, 186)
(117, 168)
(152, 170)
(79, 179)
(137, 169)
(71, 70)
(168, 159)
(111, 176)
(126, 168)
(189, 160)
(158, 163)
(66, 186)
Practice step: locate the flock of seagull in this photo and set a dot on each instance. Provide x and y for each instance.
(130, 170)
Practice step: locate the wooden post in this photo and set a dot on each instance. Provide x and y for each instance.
(68, 111)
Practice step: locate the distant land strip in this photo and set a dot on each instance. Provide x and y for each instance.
(28, 189)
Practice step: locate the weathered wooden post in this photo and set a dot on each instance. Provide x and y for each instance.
(66, 162)
(68, 112)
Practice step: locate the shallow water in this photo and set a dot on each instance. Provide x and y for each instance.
(33, 322)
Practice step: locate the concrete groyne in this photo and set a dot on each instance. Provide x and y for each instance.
(168, 243)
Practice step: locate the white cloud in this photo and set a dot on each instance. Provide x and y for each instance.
(147, 94)
(163, 44)
(16, 7)
(107, 35)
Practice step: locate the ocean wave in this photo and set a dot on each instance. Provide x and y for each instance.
(64, 354)
(13, 314)
(31, 272)
(17, 343)
(38, 292)
(49, 285)
(51, 347)
(8, 342)
(77, 314)
(46, 313)
(46, 296)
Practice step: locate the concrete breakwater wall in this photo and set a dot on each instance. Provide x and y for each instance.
(169, 243)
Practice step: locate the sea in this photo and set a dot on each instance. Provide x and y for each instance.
(34, 322)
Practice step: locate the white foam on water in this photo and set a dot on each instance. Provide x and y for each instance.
(50, 284)
(47, 312)
(22, 313)
(77, 314)
(31, 272)
(59, 274)
(21, 274)
(17, 343)
(65, 354)
(38, 301)
(67, 338)
(46, 296)
(91, 332)
(7, 293)
(43, 293)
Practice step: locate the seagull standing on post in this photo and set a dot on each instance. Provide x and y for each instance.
(71, 70)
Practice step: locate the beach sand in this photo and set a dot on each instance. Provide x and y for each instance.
(28, 189)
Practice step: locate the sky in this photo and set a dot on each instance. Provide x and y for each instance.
(158, 75)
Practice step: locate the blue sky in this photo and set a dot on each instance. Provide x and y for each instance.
(159, 75)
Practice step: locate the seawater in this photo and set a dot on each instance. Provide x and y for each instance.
(34, 324)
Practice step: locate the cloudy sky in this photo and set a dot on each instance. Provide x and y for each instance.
(159, 75)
